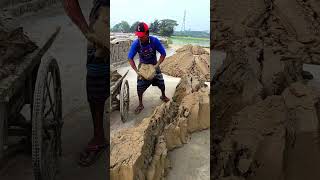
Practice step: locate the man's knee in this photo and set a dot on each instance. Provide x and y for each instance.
(100, 52)
(161, 86)
(140, 92)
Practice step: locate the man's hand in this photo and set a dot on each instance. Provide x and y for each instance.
(157, 65)
(138, 73)
(93, 39)
(160, 61)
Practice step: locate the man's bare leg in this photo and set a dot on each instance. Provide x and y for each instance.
(97, 111)
(97, 144)
(163, 96)
(140, 106)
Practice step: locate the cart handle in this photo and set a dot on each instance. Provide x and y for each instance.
(48, 43)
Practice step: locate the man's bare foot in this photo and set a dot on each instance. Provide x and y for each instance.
(164, 98)
(139, 109)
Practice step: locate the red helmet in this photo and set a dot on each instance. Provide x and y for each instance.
(141, 29)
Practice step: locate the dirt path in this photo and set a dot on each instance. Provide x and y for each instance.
(192, 161)
(151, 99)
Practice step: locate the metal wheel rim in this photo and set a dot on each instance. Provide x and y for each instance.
(47, 122)
(124, 101)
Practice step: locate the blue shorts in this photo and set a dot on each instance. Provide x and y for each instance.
(98, 79)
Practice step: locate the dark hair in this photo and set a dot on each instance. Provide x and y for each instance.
(147, 32)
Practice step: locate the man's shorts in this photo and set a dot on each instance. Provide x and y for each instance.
(98, 66)
(143, 84)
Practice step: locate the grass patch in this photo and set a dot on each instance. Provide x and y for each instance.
(182, 40)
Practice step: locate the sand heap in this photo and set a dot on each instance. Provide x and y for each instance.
(260, 102)
(188, 60)
(141, 152)
(257, 143)
(14, 45)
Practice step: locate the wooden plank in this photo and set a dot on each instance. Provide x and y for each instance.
(3, 120)
(10, 85)
(13, 83)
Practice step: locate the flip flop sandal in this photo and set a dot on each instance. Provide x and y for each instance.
(91, 155)
(164, 99)
(139, 109)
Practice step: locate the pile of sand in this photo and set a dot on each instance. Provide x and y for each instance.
(189, 59)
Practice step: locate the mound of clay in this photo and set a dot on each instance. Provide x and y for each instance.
(132, 164)
(290, 27)
(167, 128)
(259, 100)
(195, 50)
(14, 45)
(257, 143)
(267, 43)
(147, 71)
(188, 60)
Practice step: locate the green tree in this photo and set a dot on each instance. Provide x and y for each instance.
(134, 26)
(166, 27)
(155, 26)
(123, 26)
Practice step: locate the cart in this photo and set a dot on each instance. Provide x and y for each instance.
(120, 96)
(35, 83)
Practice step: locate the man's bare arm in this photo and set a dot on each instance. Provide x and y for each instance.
(161, 59)
(133, 65)
(74, 11)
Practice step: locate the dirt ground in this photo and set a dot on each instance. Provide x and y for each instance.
(192, 162)
(151, 99)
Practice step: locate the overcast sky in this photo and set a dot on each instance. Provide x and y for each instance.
(197, 12)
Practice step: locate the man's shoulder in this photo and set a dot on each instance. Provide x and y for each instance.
(135, 42)
(153, 38)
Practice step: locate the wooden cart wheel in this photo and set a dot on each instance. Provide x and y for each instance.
(47, 121)
(124, 100)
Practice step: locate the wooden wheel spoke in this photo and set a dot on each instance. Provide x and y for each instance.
(50, 125)
(50, 100)
(47, 134)
(50, 110)
(50, 79)
(46, 92)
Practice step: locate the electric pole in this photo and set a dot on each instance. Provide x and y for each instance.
(183, 27)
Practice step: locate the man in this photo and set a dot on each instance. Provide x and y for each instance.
(98, 85)
(147, 46)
